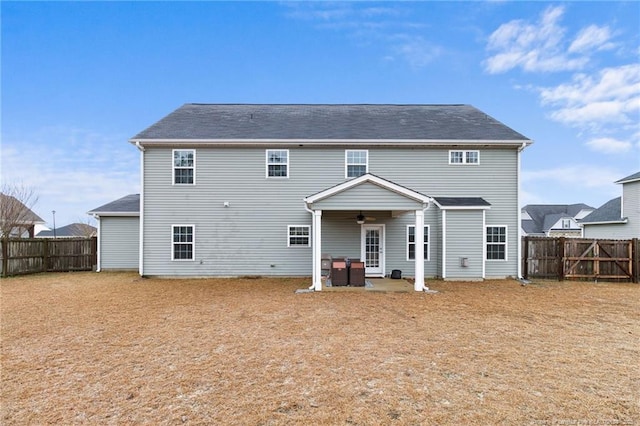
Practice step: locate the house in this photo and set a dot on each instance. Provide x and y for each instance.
(17, 219)
(73, 230)
(618, 218)
(118, 234)
(239, 189)
(553, 220)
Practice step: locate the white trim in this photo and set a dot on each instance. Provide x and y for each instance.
(611, 222)
(347, 164)
(267, 164)
(506, 242)
(98, 251)
(317, 250)
(444, 244)
(368, 178)
(428, 258)
(193, 242)
(141, 222)
(111, 214)
(484, 245)
(289, 236)
(462, 207)
(173, 167)
(336, 142)
(363, 255)
(464, 157)
(419, 258)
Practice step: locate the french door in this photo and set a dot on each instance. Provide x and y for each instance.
(372, 250)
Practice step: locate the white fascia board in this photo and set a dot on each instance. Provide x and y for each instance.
(385, 184)
(610, 222)
(107, 214)
(331, 142)
(441, 207)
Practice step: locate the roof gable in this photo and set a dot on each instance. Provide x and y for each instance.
(343, 122)
(611, 211)
(544, 216)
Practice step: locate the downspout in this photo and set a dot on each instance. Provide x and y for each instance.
(313, 251)
(519, 214)
(141, 216)
(98, 251)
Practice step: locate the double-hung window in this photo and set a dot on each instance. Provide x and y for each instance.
(298, 236)
(184, 166)
(464, 157)
(182, 245)
(356, 163)
(277, 163)
(411, 242)
(496, 242)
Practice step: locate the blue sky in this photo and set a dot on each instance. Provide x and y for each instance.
(79, 79)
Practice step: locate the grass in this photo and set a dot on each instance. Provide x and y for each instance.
(111, 348)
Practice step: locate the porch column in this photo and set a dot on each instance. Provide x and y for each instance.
(419, 252)
(317, 250)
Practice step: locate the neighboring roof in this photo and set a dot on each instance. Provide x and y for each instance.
(631, 178)
(129, 205)
(29, 217)
(71, 230)
(461, 202)
(367, 177)
(544, 216)
(328, 123)
(611, 211)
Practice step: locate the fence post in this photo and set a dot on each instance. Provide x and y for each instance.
(45, 254)
(561, 242)
(635, 260)
(525, 257)
(5, 258)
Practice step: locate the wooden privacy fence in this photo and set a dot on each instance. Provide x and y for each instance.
(29, 256)
(581, 259)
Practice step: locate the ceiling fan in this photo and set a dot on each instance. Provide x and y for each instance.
(361, 219)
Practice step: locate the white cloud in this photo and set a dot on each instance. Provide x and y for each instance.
(84, 171)
(541, 46)
(610, 96)
(592, 37)
(609, 145)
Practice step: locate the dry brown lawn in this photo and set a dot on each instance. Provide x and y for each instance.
(112, 348)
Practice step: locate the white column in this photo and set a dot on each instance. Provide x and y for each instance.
(317, 250)
(419, 252)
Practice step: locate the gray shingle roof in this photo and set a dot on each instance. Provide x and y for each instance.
(28, 217)
(630, 178)
(462, 201)
(544, 216)
(611, 211)
(129, 205)
(212, 122)
(71, 230)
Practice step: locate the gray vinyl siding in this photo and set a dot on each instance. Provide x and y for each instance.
(631, 207)
(367, 196)
(119, 243)
(613, 231)
(250, 236)
(465, 239)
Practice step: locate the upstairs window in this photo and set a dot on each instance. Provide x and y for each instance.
(566, 223)
(184, 166)
(299, 236)
(496, 243)
(356, 163)
(411, 242)
(464, 157)
(277, 163)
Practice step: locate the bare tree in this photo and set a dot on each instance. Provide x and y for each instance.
(86, 227)
(16, 217)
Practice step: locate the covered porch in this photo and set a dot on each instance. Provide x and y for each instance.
(359, 213)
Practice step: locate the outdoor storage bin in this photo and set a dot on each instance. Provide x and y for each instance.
(356, 274)
(339, 273)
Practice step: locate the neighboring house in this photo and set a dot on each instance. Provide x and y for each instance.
(20, 218)
(73, 230)
(231, 190)
(618, 218)
(553, 220)
(118, 233)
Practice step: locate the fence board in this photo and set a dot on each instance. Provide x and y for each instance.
(29, 256)
(581, 258)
